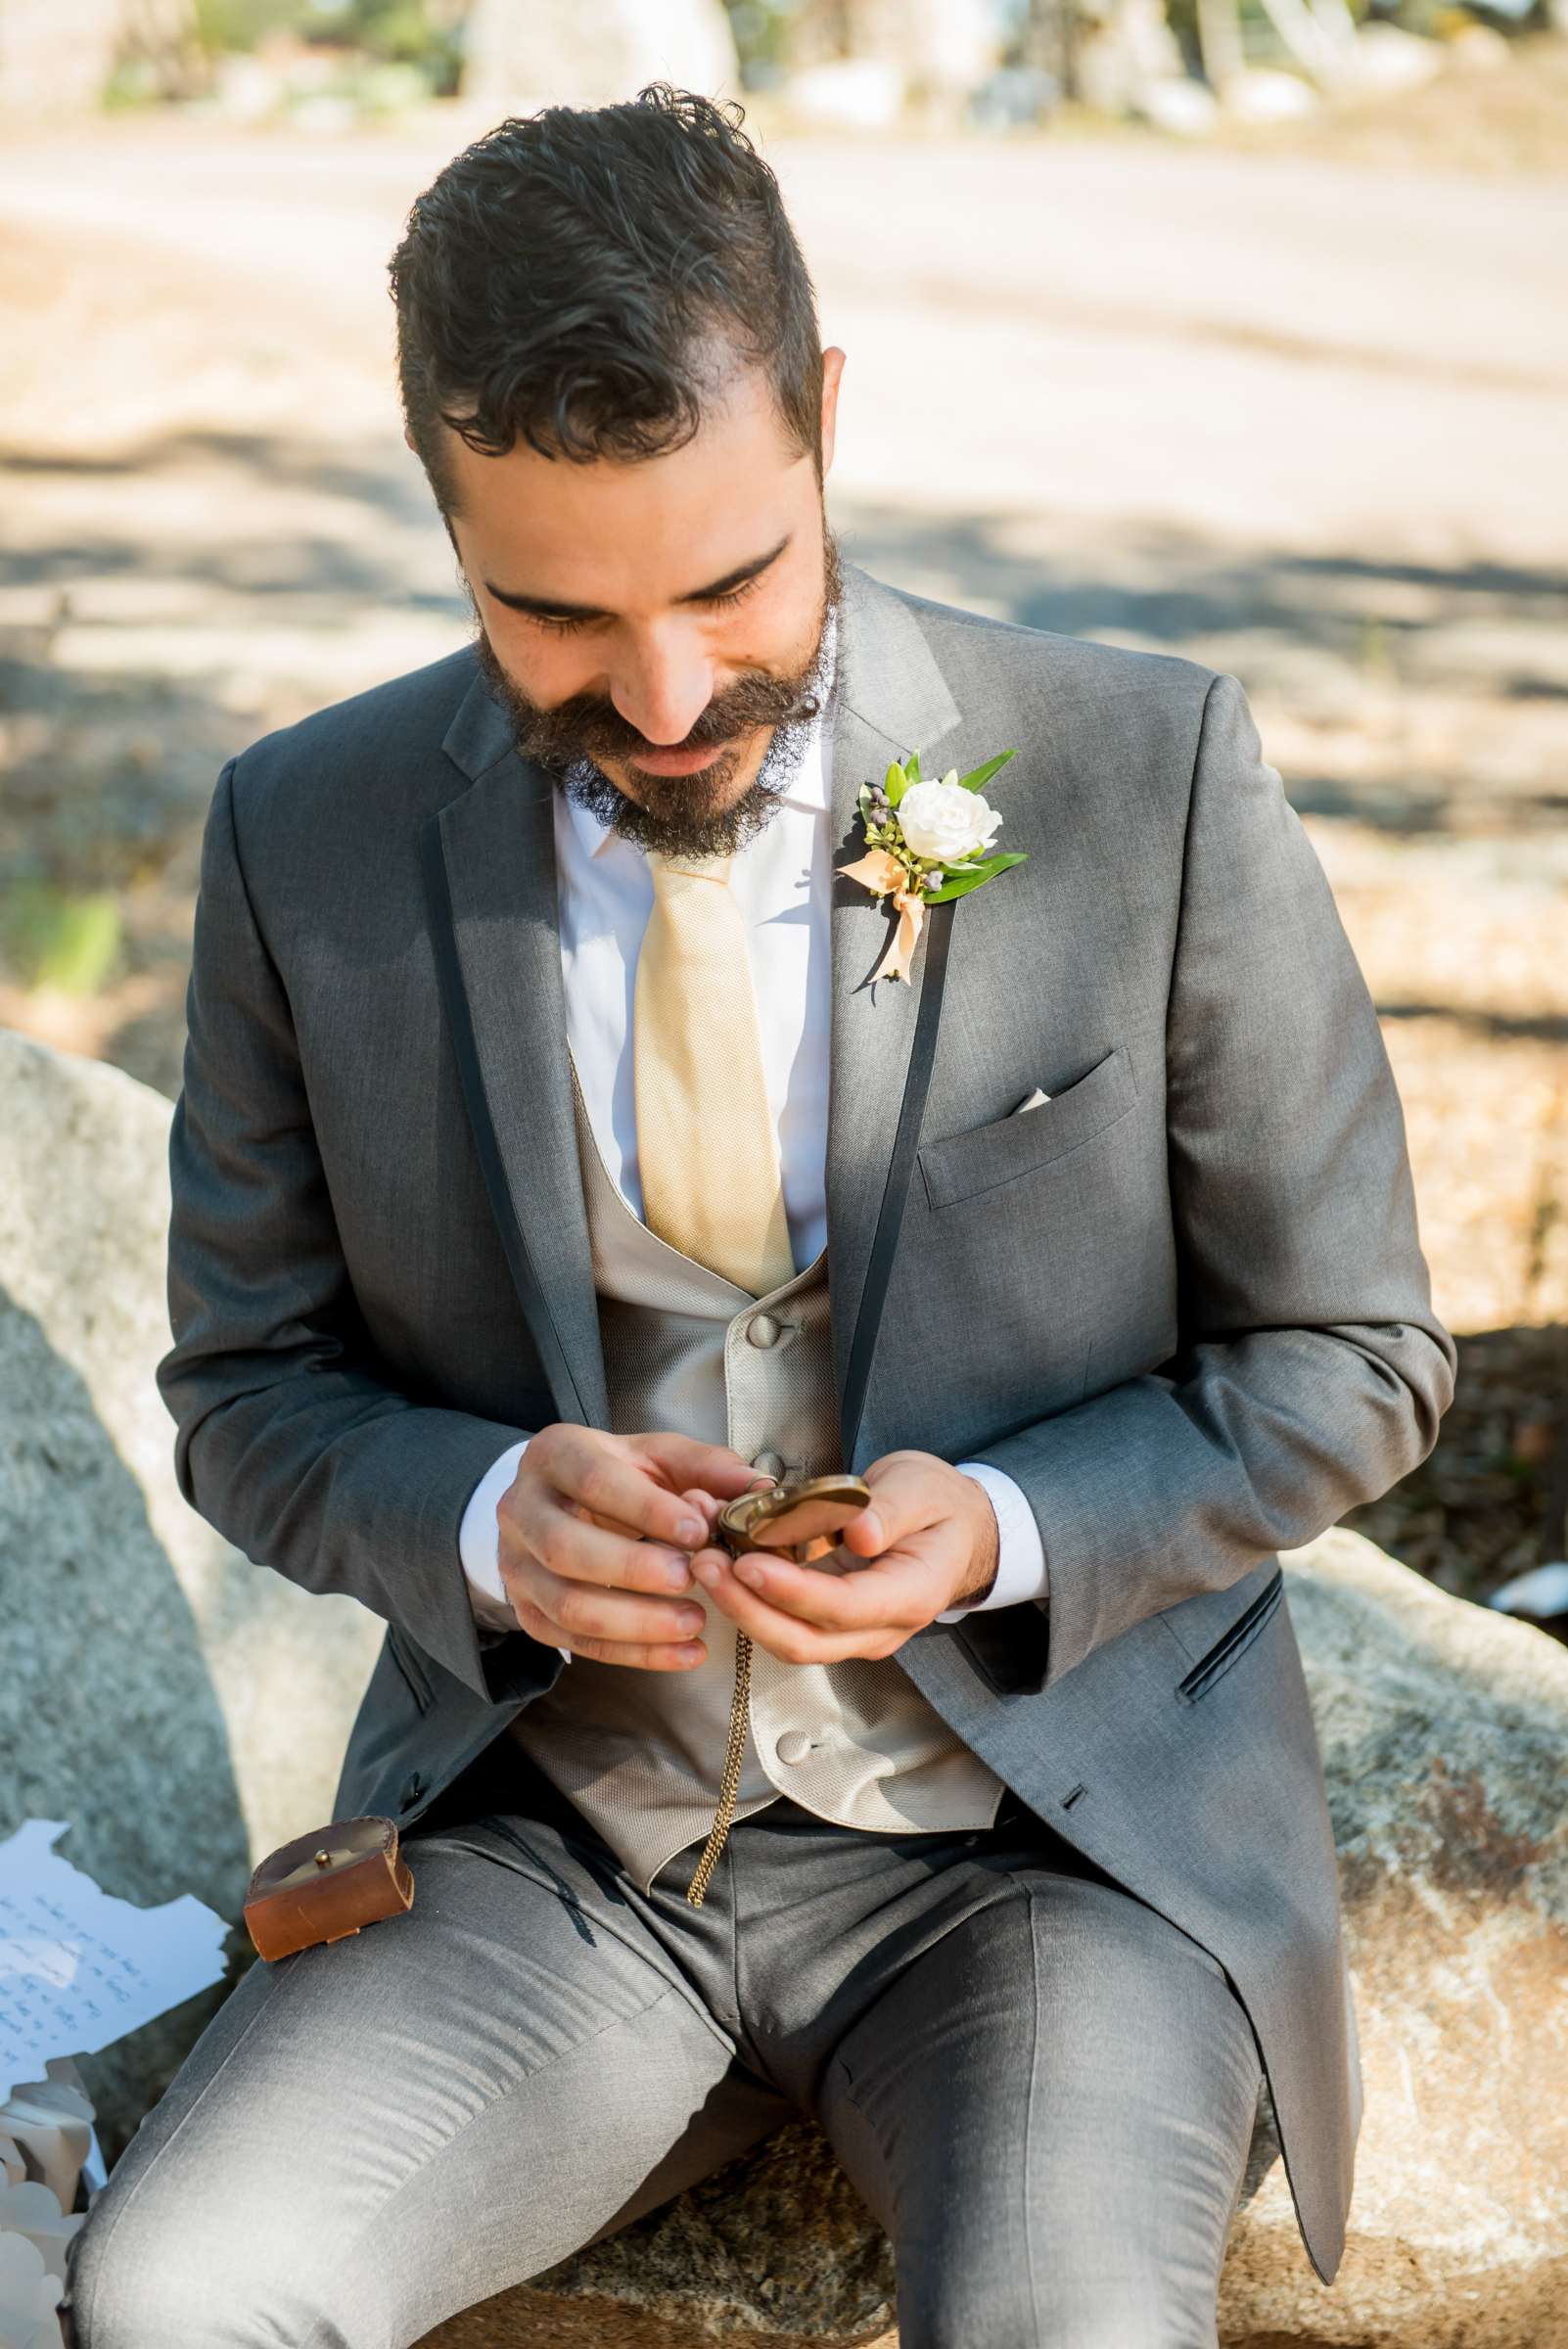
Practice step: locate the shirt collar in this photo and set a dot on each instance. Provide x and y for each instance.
(809, 785)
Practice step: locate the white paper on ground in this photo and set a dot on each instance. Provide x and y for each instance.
(32, 2210)
(79, 1968)
(46, 2133)
(30, 2295)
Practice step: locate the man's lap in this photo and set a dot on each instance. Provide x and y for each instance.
(378, 2131)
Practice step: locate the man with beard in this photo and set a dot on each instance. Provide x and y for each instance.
(546, 1175)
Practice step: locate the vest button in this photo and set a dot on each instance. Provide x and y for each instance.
(768, 1464)
(792, 1747)
(763, 1329)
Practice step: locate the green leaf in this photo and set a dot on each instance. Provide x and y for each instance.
(896, 784)
(984, 867)
(974, 880)
(912, 766)
(958, 888)
(978, 776)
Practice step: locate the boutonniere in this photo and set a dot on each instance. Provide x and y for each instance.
(927, 843)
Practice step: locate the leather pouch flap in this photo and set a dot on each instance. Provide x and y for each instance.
(325, 1885)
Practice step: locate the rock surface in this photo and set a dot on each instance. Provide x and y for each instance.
(185, 1710)
(1444, 1729)
(773, 2251)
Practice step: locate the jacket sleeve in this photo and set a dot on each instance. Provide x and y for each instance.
(284, 1441)
(1311, 1372)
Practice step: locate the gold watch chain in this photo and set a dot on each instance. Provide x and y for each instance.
(739, 1724)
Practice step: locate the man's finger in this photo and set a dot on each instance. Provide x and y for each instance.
(709, 1504)
(897, 1591)
(901, 1504)
(909, 1491)
(865, 1535)
(590, 1614)
(686, 1461)
(581, 1549)
(680, 1654)
(615, 1487)
(814, 1622)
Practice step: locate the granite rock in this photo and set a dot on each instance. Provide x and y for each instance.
(184, 1708)
(1444, 1729)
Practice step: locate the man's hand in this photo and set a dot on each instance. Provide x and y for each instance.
(932, 1537)
(592, 1520)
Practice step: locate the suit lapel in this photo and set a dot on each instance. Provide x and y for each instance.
(889, 698)
(489, 874)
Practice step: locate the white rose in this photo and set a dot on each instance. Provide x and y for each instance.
(945, 823)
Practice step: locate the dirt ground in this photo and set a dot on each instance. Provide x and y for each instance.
(1291, 408)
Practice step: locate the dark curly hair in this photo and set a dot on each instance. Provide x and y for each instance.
(578, 277)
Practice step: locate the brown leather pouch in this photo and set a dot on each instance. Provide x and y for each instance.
(324, 1886)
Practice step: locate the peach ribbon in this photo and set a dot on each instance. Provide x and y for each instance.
(883, 875)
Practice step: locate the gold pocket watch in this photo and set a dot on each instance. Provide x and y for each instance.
(800, 1518)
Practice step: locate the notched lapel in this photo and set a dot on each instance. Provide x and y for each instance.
(889, 699)
(489, 870)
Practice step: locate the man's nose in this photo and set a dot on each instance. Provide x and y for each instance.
(662, 690)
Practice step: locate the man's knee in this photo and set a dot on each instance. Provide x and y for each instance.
(960, 2305)
(233, 2270)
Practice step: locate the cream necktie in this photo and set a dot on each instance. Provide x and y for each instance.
(707, 1148)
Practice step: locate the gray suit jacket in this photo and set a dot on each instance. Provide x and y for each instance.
(1182, 1303)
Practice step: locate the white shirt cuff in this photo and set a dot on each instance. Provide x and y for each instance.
(1021, 1570)
(479, 1543)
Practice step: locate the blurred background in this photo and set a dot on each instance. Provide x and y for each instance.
(1230, 328)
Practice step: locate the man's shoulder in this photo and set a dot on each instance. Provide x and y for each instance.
(391, 733)
(975, 645)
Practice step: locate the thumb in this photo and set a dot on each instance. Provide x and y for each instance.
(895, 1510)
(865, 1535)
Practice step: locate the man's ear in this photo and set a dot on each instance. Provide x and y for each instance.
(409, 438)
(832, 369)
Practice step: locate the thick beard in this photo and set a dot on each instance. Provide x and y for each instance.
(681, 816)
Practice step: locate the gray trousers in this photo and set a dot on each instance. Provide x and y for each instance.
(1043, 2089)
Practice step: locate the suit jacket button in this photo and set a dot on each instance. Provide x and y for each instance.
(763, 1329)
(413, 1788)
(768, 1464)
(792, 1747)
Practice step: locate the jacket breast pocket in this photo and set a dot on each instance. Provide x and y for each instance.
(1006, 1148)
(1233, 1641)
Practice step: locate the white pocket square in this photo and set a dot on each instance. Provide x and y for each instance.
(1032, 1102)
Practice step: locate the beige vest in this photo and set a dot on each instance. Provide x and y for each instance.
(640, 1753)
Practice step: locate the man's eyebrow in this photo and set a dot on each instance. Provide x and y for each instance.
(551, 610)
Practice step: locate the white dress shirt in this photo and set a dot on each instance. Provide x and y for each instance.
(782, 881)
